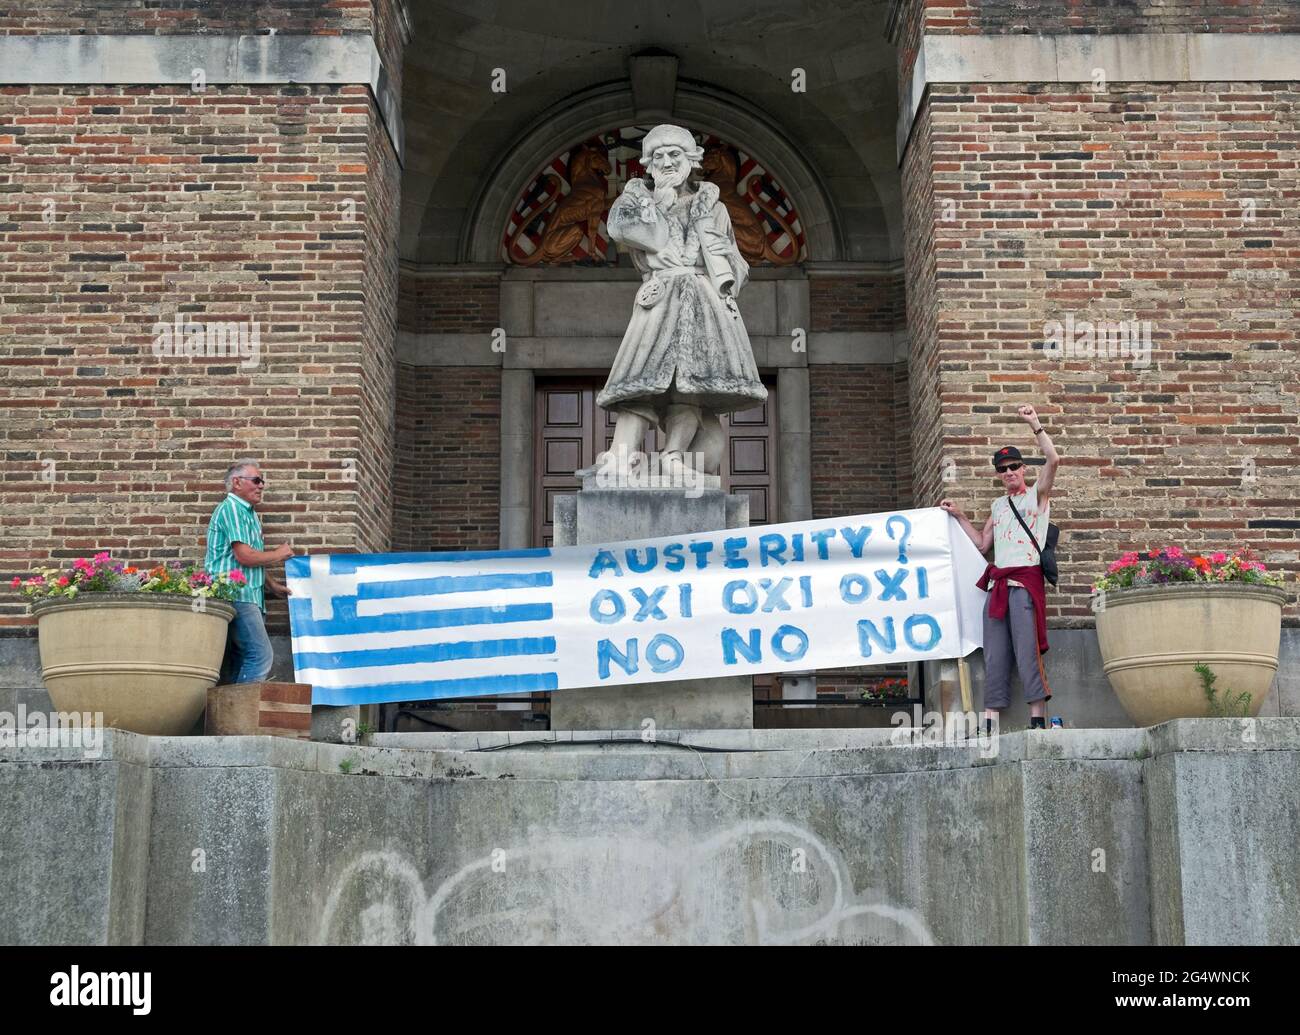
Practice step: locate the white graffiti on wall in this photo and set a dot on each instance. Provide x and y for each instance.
(765, 882)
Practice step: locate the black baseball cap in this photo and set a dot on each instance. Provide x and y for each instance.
(1012, 453)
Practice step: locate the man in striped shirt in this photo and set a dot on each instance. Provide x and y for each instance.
(235, 544)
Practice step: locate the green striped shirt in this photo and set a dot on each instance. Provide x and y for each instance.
(234, 521)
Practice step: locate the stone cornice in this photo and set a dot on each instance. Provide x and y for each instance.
(1188, 57)
(167, 60)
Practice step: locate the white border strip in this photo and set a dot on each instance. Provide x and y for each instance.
(167, 60)
(1187, 57)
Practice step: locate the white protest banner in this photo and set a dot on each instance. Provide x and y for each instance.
(863, 590)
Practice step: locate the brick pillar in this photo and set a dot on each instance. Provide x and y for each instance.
(1121, 166)
(203, 176)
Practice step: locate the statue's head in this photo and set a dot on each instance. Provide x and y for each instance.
(669, 154)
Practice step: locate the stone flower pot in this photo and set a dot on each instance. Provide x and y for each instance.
(1152, 638)
(145, 660)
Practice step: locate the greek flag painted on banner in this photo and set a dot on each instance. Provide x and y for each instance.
(864, 590)
(369, 628)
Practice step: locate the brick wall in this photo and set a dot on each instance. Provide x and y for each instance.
(126, 205)
(1169, 204)
(907, 17)
(448, 474)
(860, 450)
(902, 438)
(922, 318)
(387, 26)
(1050, 17)
(122, 206)
(449, 305)
(857, 303)
(375, 463)
(855, 470)
(447, 489)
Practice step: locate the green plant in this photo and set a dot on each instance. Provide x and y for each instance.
(1223, 704)
(364, 729)
(347, 765)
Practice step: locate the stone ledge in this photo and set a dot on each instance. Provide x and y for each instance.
(549, 354)
(1225, 735)
(619, 755)
(1185, 57)
(93, 60)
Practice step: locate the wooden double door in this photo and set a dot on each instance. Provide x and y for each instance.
(570, 430)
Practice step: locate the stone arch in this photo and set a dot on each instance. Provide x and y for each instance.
(700, 108)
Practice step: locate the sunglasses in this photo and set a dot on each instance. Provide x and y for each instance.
(1009, 467)
(255, 481)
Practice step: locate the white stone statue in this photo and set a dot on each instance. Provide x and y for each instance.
(685, 358)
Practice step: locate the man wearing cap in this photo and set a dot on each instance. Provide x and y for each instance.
(1015, 613)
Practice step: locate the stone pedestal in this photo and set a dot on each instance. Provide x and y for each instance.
(611, 515)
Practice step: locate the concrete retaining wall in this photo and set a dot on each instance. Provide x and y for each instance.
(1189, 832)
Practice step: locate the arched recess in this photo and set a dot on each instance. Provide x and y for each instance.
(699, 108)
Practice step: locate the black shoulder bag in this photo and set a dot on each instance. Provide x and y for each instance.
(1046, 555)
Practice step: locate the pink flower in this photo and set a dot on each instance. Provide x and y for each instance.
(237, 577)
(101, 558)
(1219, 558)
(1173, 552)
(81, 564)
(63, 580)
(1130, 557)
(16, 582)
